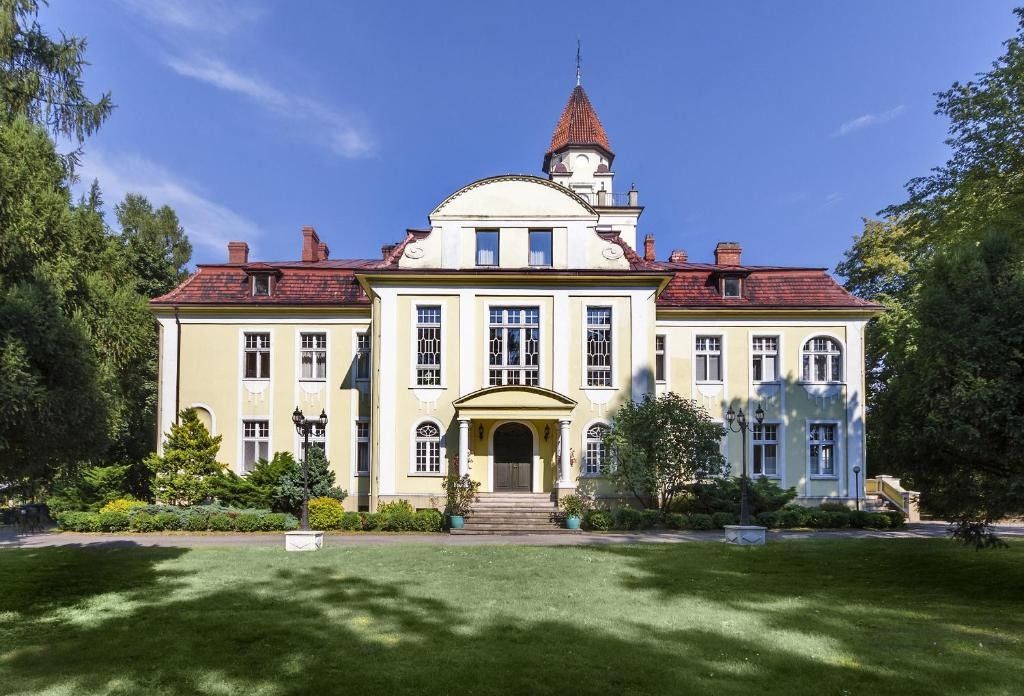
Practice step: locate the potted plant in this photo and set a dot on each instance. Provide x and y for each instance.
(573, 506)
(460, 494)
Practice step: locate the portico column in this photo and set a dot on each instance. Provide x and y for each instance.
(565, 475)
(463, 446)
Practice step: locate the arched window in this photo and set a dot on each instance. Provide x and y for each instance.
(822, 360)
(428, 449)
(595, 457)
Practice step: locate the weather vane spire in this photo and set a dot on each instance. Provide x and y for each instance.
(579, 62)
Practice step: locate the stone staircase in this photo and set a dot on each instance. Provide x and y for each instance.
(513, 513)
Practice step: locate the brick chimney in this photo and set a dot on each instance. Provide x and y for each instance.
(238, 252)
(677, 256)
(386, 249)
(310, 244)
(322, 252)
(649, 248)
(727, 254)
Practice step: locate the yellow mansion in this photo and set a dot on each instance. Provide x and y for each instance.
(502, 338)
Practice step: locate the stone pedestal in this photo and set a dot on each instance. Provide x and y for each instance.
(301, 540)
(744, 535)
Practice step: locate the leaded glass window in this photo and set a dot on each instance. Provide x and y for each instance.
(595, 457)
(428, 346)
(427, 458)
(599, 346)
(513, 346)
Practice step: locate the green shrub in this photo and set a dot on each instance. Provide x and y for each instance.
(248, 522)
(859, 519)
(351, 521)
(74, 521)
(896, 518)
(649, 519)
(597, 520)
(428, 520)
(371, 521)
(626, 518)
(123, 505)
(723, 495)
(701, 521)
(769, 519)
(878, 520)
(834, 507)
(790, 517)
(195, 521)
(325, 513)
(143, 521)
(839, 519)
(168, 521)
(220, 522)
(818, 519)
(677, 520)
(720, 519)
(113, 521)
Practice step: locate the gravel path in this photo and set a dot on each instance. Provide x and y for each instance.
(10, 540)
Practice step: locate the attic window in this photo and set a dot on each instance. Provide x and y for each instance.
(732, 286)
(261, 284)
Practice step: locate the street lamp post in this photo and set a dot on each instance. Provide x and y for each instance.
(740, 419)
(856, 483)
(303, 426)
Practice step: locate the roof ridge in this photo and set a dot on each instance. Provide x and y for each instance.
(178, 289)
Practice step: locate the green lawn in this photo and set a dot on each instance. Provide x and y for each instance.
(822, 617)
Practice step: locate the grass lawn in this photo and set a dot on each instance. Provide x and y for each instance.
(839, 616)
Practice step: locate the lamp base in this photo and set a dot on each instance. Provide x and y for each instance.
(303, 540)
(744, 535)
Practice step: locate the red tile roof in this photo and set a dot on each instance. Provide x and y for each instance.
(322, 283)
(579, 125)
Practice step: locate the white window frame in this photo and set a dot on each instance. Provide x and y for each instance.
(419, 380)
(661, 356)
(256, 439)
(590, 371)
(361, 352)
(833, 358)
(415, 439)
(497, 247)
(706, 353)
(813, 470)
(317, 438)
(739, 286)
(755, 442)
(270, 284)
(358, 440)
(313, 350)
(603, 467)
(756, 352)
(550, 250)
(258, 350)
(524, 371)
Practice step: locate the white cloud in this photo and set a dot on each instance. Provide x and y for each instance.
(328, 125)
(202, 16)
(868, 120)
(209, 225)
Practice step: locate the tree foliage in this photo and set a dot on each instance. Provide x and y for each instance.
(288, 492)
(156, 244)
(660, 445)
(187, 472)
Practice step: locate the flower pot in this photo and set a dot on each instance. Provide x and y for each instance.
(572, 522)
(456, 521)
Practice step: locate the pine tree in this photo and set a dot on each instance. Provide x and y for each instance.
(187, 472)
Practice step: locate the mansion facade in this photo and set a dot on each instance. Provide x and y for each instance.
(502, 338)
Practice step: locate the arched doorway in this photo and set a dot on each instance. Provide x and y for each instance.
(513, 458)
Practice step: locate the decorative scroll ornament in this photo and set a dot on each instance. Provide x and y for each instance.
(414, 251)
(612, 253)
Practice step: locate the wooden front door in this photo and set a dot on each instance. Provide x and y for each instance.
(513, 458)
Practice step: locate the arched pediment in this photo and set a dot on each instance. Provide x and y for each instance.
(514, 196)
(514, 401)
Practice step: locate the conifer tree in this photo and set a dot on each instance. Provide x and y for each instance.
(187, 472)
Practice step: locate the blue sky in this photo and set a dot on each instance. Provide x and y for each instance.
(777, 125)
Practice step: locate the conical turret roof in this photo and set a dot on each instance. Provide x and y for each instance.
(578, 125)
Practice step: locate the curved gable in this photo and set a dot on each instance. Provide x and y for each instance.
(514, 196)
(514, 401)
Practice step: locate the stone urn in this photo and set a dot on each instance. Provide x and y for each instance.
(303, 540)
(744, 534)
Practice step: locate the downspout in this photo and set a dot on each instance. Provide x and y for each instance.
(177, 367)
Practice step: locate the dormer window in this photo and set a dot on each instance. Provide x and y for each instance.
(732, 286)
(261, 285)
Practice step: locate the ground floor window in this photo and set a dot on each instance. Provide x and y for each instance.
(427, 459)
(255, 443)
(821, 448)
(362, 448)
(595, 458)
(766, 449)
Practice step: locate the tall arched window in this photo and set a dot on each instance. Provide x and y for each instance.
(822, 360)
(427, 457)
(595, 454)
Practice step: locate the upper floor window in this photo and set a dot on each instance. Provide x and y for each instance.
(487, 247)
(732, 286)
(659, 358)
(260, 284)
(599, 346)
(709, 358)
(427, 455)
(821, 449)
(318, 437)
(822, 360)
(313, 355)
(428, 346)
(257, 356)
(595, 456)
(514, 346)
(362, 448)
(255, 443)
(764, 358)
(363, 355)
(766, 449)
(540, 247)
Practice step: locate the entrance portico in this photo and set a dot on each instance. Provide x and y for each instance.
(511, 413)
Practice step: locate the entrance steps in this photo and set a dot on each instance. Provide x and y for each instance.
(513, 513)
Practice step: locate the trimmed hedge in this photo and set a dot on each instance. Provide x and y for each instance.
(828, 516)
(161, 518)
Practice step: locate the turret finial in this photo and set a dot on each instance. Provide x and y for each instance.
(579, 62)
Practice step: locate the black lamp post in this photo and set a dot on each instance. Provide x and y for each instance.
(856, 483)
(740, 419)
(303, 426)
